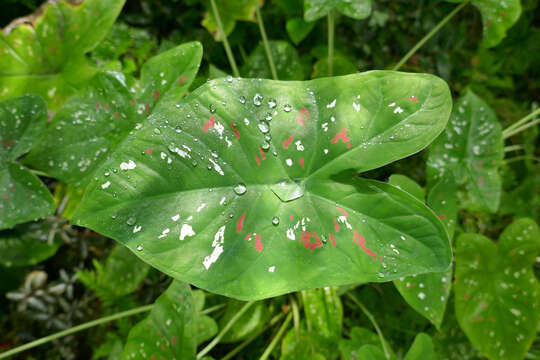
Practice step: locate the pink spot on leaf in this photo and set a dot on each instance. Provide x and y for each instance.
(302, 163)
(342, 211)
(262, 154)
(209, 124)
(7, 143)
(306, 238)
(287, 142)
(360, 241)
(156, 94)
(148, 151)
(342, 135)
(235, 130)
(302, 116)
(181, 79)
(258, 244)
(336, 225)
(332, 239)
(240, 223)
(413, 98)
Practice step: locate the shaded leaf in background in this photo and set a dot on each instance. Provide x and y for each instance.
(421, 349)
(28, 244)
(229, 12)
(92, 123)
(248, 324)
(169, 332)
(496, 291)
(288, 216)
(23, 197)
(206, 326)
(428, 293)
(286, 60)
(359, 337)
(471, 148)
(497, 17)
(342, 66)
(356, 9)
(45, 55)
(303, 347)
(524, 200)
(298, 29)
(407, 184)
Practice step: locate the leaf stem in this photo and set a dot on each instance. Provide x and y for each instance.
(276, 338)
(519, 158)
(75, 329)
(373, 321)
(513, 148)
(265, 42)
(296, 318)
(224, 38)
(430, 35)
(212, 309)
(223, 331)
(521, 121)
(330, 43)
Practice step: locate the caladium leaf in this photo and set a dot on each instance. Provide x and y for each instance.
(28, 244)
(23, 197)
(471, 148)
(286, 60)
(497, 17)
(298, 29)
(99, 117)
(407, 184)
(428, 293)
(45, 54)
(169, 332)
(356, 9)
(497, 293)
(254, 174)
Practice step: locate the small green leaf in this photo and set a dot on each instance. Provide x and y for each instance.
(471, 148)
(249, 323)
(93, 122)
(169, 332)
(207, 328)
(45, 54)
(208, 204)
(298, 29)
(497, 17)
(422, 349)
(497, 293)
(286, 60)
(301, 347)
(23, 197)
(407, 184)
(370, 352)
(229, 12)
(28, 244)
(356, 9)
(342, 66)
(358, 338)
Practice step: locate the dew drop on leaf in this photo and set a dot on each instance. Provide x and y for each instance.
(265, 146)
(263, 127)
(139, 247)
(240, 189)
(157, 131)
(275, 220)
(242, 99)
(212, 108)
(257, 99)
(272, 103)
(131, 221)
(287, 107)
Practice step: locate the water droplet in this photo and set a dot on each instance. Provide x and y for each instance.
(139, 247)
(265, 146)
(272, 103)
(212, 108)
(240, 189)
(157, 131)
(263, 127)
(107, 173)
(275, 220)
(287, 107)
(229, 78)
(131, 221)
(268, 117)
(194, 163)
(242, 99)
(257, 99)
(178, 129)
(268, 137)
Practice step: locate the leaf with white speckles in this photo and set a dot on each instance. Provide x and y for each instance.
(471, 148)
(93, 122)
(497, 16)
(496, 292)
(248, 192)
(23, 197)
(45, 53)
(356, 9)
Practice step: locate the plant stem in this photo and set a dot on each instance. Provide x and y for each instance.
(224, 38)
(519, 158)
(75, 329)
(223, 331)
(212, 309)
(375, 325)
(507, 134)
(296, 318)
(430, 35)
(276, 338)
(521, 121)
(246, 342)
(513, 148)
(330, 43)
(265, 42)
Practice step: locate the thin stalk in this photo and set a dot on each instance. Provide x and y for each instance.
(520, 129)
(265, 42)
(246, 342)
(222, 333)
(513, 148)
(75, 329)
(522, 121)
(519, 158)
(330, 43)
(296, 318)
(224, 38)
(430, 35)
(276, 338)
(375, 325)
(212, 309)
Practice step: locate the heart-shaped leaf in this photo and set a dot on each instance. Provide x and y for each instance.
(169, 332)
(97, 119)
(23, 197)
(421, 349)
(356, 9)
(497, 293)
(286, 60)
(298, 29)
(45, 54)
(255, 174)
(497, 16)
(229, 12)
(471, 148)
(428, 293)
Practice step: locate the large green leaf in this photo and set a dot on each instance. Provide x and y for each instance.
(497, 293)
(428, 293)
(471, 148)
(169, 332)
(28, 244)
(97, 119)
(45, 54)
(286, 60)
(250, 212)
(497, 16)
(356, 9)
(23, 197)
